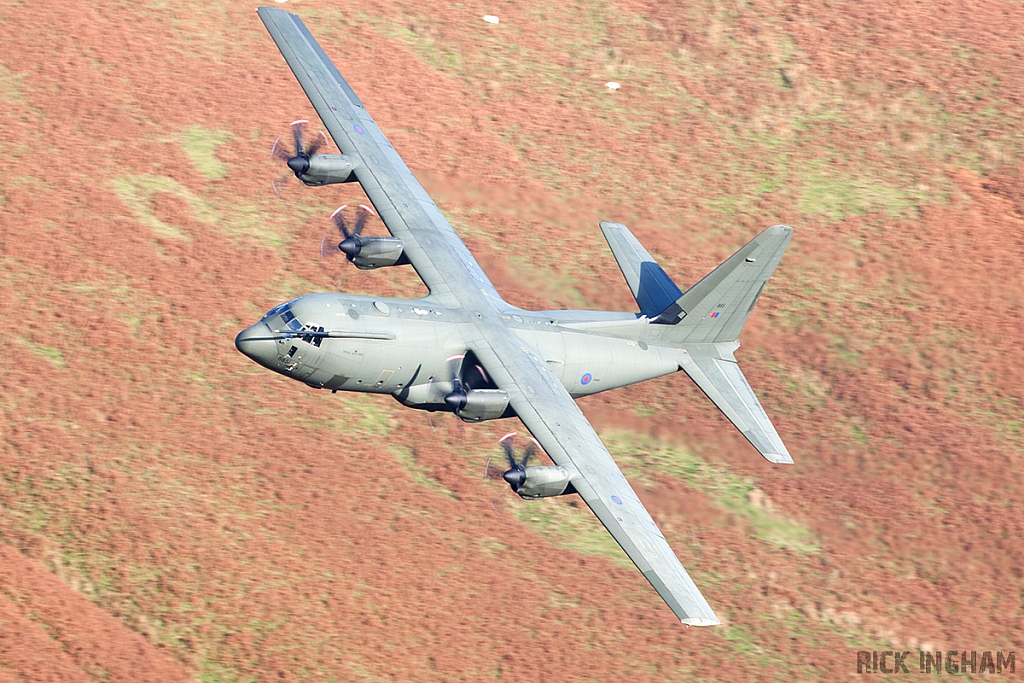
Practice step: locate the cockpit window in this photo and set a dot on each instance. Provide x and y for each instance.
(279, 310)
(287, 317)
(291, 321)
(276, 310)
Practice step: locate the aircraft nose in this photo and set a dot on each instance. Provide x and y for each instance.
(255, 342)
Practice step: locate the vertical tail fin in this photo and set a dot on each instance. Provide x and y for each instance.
(708, 317)
(652, 288)
(716, 308)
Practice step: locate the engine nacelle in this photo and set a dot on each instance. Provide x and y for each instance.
(545, 481)
(484, 404)
(378, 252)
(326, 169)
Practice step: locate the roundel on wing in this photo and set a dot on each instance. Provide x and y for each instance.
(616, 500)
(585, 379)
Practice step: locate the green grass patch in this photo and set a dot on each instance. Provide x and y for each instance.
(11, 85)
(836, 196)
(407, 459)
(570, 527)
(641, 457)
(200, 144)
(46, 352)
(138, 191)
(213, 672)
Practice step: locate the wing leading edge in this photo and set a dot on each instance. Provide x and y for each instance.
(401, 202)
(556, 422)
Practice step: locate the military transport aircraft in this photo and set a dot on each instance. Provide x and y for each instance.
(463, 349)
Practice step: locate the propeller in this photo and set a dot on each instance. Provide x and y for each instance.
(515, 476)
(457, 397)
(298, 157)
(464, 374)
(351, 243)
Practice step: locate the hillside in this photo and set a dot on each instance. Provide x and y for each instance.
(170, 511)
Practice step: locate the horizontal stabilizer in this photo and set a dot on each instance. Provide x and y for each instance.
(652, 288)
(719, 376)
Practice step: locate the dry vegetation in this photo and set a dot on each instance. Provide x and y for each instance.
(169, 511)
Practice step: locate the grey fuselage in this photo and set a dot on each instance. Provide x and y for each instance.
(408, 345)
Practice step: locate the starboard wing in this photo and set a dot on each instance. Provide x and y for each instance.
(554, 419)
(401, 202)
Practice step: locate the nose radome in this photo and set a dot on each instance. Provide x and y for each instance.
(256, 343)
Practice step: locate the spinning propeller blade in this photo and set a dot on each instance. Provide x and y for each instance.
(515, 476)
(351, 241)
(296, 158)
(456, 398)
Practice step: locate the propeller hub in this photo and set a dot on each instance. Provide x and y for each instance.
(515, 477)
(456, 400)
(299, 164)
(351, 246)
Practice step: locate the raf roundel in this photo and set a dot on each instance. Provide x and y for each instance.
(616, 500)
(359, 129)
(585, 379)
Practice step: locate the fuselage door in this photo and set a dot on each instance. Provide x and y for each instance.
(385, 378)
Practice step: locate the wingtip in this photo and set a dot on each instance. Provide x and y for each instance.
(701, 621)
(779, 459)
(611, 226)
(263, 9)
